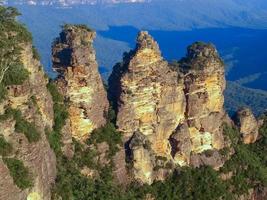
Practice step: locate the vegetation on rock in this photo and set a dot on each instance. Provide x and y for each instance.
(5, 147)
(247, 163)
(78, 26)
(60, 116)
(12, 35)
(20, 174)
(22, 125)
(108, 134)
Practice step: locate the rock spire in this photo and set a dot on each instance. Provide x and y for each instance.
(79, 80)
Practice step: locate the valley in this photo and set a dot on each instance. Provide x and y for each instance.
(241, 43)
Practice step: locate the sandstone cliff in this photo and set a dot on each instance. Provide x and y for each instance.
(165, 112)
(151, 103)
(79, 80)
(204, 81)
(34, 102)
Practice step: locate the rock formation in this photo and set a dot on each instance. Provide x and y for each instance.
(79, 80)
(248, 125)
(150, 101)
(36, 106)
(204, 82)
(171, 109)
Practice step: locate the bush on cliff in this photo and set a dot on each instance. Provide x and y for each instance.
(12, 35)
(5, 147)
(60, 117)
(22, 126)
(20, 174)
(108, 134)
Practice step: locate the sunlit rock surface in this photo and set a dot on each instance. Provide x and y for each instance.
(204, 87)
(149, 98)
(171, 107)
(79, 80)
(35, 103)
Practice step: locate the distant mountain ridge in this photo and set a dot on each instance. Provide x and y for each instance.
(69, 2)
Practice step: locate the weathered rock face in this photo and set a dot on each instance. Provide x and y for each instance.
(181, 145)
(248, 125)
(202, 130)
(143, 158)
(150, 101)
(79, 80)
(35, 104)
(171, 109)
(204, 87)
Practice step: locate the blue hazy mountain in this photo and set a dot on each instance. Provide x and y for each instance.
(239, 37)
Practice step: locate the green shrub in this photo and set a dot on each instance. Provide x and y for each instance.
(108, 134)
(28, 129)
(3, 92)
(60, 117)
(12, 36)
(54, 139)
(111, 115)
(201, 183)
(84, 157)
(247, 164)
(16, 75)
(5, 147)
(56, 96)
(35, 53)
(232, 134)
(20, 174)
(60, 109)
(22, 125)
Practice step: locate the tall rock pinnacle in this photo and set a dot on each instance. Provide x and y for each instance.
(204, 81)
(151, 102)
(165, 113)
(204, 87)
(79, 80)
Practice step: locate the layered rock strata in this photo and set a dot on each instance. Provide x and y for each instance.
(34, 102)
(170, 109)
(79, 80)
(204, 82)
(150, 102)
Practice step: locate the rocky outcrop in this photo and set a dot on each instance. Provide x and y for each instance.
(36, 106)
(248, 125)
(181, 145)
(150, 102)
(151, 99)
(204, 81)
(79, 80)
(170, 108)
(142, 158)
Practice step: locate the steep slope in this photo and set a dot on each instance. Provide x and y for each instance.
(27, 163)
(79, 80)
